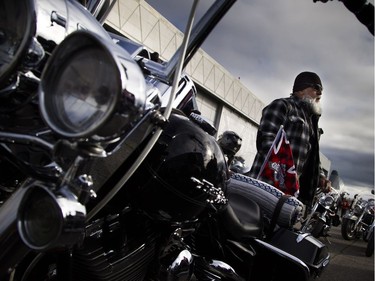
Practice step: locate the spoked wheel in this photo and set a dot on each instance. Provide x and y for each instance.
(315, 227)
(320, 229)
(348, 231)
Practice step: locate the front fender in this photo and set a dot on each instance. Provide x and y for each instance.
(321, 217)
(350, 217)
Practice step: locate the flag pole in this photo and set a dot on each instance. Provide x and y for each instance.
(277, 137)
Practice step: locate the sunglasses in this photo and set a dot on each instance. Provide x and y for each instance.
(315, 86)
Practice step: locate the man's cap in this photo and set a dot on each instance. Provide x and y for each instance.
(306, 79)
(334, 173)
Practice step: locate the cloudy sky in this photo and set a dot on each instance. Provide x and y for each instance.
(267, 43)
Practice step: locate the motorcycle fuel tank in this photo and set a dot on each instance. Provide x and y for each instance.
(184, 174)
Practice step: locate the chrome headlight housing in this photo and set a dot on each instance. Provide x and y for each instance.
(46, 220)
(326, 201)
(90, 87)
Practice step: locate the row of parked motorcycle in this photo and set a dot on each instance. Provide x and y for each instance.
(355, 216)
(358, 222)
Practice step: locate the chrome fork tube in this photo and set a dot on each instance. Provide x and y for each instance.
(12, 248)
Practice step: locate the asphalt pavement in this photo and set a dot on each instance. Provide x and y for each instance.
(348, 260)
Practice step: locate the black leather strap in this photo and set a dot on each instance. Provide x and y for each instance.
(276, 214)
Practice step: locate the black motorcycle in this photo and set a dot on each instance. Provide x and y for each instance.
(323, 215)
(357, 221)
(109, 172)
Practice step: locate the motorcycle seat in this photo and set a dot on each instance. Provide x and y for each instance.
(242, 218)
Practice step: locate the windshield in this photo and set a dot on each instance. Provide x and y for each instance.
(59, 18)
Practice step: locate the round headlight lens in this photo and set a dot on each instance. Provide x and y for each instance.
(329, 200)
(326, 201)
(81, 86)
(91, 89)
(85, 93)
(46, 220)
(40, 221)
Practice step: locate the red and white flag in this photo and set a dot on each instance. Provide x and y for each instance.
(278, 167)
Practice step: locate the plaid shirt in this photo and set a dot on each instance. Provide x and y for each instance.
(299, 129)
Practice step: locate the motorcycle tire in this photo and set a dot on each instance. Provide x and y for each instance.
(370, 246)
(347, 229)
(315, 227)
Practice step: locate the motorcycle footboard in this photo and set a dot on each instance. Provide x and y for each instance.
(304, 246)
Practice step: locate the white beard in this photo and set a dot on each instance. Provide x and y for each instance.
(312, 105)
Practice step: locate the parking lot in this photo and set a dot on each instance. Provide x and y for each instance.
(348, 259)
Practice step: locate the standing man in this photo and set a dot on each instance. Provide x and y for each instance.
(336, 180)
(299, 114)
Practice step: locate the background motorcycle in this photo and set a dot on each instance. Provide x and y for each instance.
(356, 222)
(103, 181)
(323, 215)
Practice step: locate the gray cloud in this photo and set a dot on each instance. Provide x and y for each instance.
(346, 161)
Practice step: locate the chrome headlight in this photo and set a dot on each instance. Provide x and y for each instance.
(90, 87)
(326, 201)
(17, 27)
(46, 220)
